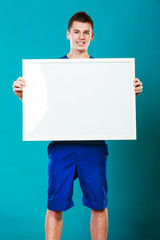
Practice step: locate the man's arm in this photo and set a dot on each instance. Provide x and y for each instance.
(138, 86)
(18, 87)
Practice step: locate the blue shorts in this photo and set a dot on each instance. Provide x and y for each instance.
(86, 160)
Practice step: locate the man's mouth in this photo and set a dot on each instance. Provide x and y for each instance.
(80, 43)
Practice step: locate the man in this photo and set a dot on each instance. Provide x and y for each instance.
(71, 159)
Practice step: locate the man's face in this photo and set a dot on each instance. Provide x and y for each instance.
(80, 35)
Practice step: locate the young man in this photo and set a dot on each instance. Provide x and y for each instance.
(86, 160)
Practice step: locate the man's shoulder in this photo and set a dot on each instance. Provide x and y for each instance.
(65, 56)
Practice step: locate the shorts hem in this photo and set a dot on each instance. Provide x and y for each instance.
(98, 204)
(59, 205)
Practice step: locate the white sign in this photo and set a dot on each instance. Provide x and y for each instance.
(79, 99)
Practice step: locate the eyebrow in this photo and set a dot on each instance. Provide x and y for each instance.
(84, 30)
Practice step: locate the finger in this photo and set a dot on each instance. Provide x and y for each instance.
(136, 80)
(21, 80)
(15, 89)
(17, 93)
(138, 90)
(21, 83)
(137, 83)
(16, 84)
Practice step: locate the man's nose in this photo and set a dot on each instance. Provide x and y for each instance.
(81, 36)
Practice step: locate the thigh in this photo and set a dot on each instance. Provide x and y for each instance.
(61, 172)
(92, 171)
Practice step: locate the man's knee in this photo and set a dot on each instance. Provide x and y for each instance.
(98, 212)
(55, 214)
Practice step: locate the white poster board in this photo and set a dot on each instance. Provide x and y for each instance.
(79, 99)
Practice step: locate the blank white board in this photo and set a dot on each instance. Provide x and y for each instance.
(79, 99)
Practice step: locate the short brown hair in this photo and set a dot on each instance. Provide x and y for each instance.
(80, 17)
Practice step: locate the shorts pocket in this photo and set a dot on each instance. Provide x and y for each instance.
(49, 148)
(106, 149)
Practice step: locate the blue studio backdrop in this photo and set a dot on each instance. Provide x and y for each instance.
(37, 30)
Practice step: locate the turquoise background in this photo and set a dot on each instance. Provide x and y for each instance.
(123, 29)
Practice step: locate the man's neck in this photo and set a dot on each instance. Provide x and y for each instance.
(77, 54)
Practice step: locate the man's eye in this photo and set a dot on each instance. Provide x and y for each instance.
(86, 33)
(75, 32)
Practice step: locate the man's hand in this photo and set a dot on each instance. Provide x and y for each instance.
(18, 87)
(138, 86)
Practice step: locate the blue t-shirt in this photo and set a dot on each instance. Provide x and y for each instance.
(84, 141)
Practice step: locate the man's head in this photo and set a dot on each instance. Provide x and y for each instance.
(80, 31)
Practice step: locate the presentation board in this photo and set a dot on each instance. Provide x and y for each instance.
(79, 99)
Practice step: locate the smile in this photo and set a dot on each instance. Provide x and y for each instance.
(80, 43)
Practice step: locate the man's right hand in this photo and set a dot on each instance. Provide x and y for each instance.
(18, 87)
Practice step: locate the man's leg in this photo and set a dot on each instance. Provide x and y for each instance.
(61, 175)
(99, 224)
(53, 225)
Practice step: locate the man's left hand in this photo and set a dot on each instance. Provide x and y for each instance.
(138, 86)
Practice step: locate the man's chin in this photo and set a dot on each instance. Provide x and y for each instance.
(81, 48)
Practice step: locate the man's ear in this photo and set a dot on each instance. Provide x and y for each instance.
(92, 36)
(68, 36)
